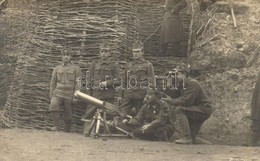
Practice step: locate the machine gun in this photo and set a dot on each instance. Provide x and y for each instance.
(100, 115)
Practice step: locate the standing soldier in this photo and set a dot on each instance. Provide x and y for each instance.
(153, 121)
(172, 27)
(193, 106)
(138, 76)
(63, 85)
(255, 114)
(101, 75)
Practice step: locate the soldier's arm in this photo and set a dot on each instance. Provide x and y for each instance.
(162, 117)
(150, 73)
(179, 6)
(53, 81)
(115, 71)
(189, 95)
(90, 75)
(78, 74)
(141, 114)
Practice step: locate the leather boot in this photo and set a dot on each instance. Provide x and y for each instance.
(184, 129)
(55, 121)
(161, 135)
(163, 50)
(253, 139)
(67, 126)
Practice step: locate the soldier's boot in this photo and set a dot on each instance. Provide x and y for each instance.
(184, 129)
(253, 139)
(162, 135)
(163, 50)
(67, 126)
(55, 120)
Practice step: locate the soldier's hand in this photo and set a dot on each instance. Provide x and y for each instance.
(75, 100)
(119, 101)
(167, 98)
(145, 127)
(103, 84)
(132, 122)
(125, 121)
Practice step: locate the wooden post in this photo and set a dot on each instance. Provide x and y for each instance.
(231, 4)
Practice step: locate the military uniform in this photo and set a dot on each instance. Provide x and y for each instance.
(161, 128)
(193, 107)
(101, 71)
(172, 27)
(133, 94)
(62, 87)
(255, 114)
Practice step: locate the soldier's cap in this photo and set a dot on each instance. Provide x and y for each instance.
(138, 45)
(66, 51)
(105, 46)
(157, 91)
(182, 67)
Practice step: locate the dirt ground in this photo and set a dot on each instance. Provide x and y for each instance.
(37, 145)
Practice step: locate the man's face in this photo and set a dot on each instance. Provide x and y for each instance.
(66, 58)
(149, 98)
(104, 53)
(137, 53)
(181, 78)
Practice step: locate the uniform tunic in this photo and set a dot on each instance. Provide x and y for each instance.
(193, 98)
(139, 74)
(172, 26)
(158, 116)
(64, 81)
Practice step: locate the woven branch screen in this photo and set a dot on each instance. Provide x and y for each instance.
(80, 25)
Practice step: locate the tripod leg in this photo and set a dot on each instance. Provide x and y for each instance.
(87, 132)
(104, 120)
(125, 132)
(107, 127)
(97, 128)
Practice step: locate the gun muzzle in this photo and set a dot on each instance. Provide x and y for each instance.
(89, 99)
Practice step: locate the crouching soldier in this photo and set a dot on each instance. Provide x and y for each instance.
(153, 121)
(192, 107)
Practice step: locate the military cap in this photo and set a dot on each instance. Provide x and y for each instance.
(158, 91)
(182, 68)
(66, 51)
(138, 45)
(105, 46)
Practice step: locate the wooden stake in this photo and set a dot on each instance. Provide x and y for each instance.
(233, 17)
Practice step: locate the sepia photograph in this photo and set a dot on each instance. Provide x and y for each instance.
(124, 80)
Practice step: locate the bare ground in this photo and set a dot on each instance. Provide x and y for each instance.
(36, 145)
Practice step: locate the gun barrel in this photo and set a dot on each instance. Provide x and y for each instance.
(96, 102)
(89, 99)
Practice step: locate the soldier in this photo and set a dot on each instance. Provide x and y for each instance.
(255, 114)
(62, 87)
(172, 27)
(101, 79)
(153, 121)
(192, 107)
(139, 74)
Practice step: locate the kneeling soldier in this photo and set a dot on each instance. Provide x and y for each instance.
(193, 106)
(153, 120)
